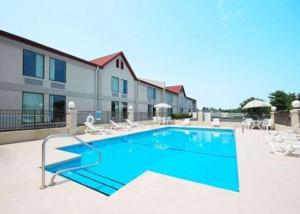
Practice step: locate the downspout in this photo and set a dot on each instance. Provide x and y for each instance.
(96, 89)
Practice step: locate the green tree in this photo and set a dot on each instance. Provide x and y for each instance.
(282, 100)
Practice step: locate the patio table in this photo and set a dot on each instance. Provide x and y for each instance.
(257, 124)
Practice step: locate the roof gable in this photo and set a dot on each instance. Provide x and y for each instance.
(176, 89)
(102, 61)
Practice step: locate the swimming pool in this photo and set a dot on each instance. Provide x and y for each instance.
(206, 156)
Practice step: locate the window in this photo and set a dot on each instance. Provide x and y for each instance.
(57, 107)
(117, 63)
(169, 99)
(151, 93)
(124, 110)
(33, 64)
(57, 70)
(122, 64)
(124, 86)
(114, 110)
(32, 107)
(114, 84)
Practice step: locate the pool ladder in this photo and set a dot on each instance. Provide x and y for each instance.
(43, 186)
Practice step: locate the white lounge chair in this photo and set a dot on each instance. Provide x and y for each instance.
(91, 129)
(116, 126)
(134, 124)
(216, 122)
(186, 122)
(284, 144)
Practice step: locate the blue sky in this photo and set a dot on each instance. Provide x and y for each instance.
(223, 51)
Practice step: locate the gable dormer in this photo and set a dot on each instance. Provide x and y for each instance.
(116, 61)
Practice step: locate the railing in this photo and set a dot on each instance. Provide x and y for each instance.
(12, 120)
(43, 185)
(237, 117)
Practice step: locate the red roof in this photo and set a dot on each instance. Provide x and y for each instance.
(176, 89)
(102, 61)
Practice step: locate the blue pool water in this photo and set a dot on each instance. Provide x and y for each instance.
(206, 156)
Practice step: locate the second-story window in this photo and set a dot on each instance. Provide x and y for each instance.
(33, 64)
(117, 63)
(57, 70)
(124, 86)
(151, 93)
(114, 84)
(122, 64)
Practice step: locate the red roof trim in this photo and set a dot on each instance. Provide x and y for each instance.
(102, 61)
(44, 47)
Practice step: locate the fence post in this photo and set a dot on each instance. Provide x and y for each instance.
(273, 119)
(200, 117)
(72, 121)
(130, 113)
(295, 114)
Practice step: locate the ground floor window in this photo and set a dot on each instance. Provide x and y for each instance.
(119, 110)
(169, 112)
(32, 107)
(124, 110)
(57, 107)
(151, 111)
(181, 110)
(115, 110)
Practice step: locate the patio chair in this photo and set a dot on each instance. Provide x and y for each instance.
(169, 120)
(91, 129)
(216, 122)
(134, 124)
(116, 126)
(164, 121)
(186, 122)
(248, 122)
(267, 124)
(284, 144)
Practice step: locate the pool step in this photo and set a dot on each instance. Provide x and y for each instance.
(95, 181)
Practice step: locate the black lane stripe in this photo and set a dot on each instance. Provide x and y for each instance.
(78, 182)
(112, 187)
(181, 150)
(104, 177)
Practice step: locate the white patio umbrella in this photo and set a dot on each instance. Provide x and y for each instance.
(162, 105)
(256, 104)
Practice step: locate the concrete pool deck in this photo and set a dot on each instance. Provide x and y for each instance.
(268, 184)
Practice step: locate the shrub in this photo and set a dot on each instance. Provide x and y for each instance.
(180, 116)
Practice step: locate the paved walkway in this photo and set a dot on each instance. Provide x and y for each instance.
(268, 184)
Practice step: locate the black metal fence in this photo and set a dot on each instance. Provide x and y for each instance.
(12, 120)
(237, 117)
(283, 118)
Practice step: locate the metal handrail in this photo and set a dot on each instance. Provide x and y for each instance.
(43, 186)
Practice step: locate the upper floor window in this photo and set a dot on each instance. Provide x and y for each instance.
(57, 70)
(170, 98)
(124, 86)
(114, 84)
(122, 64)
(117, 63)
(151, 93)
(33, 64)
